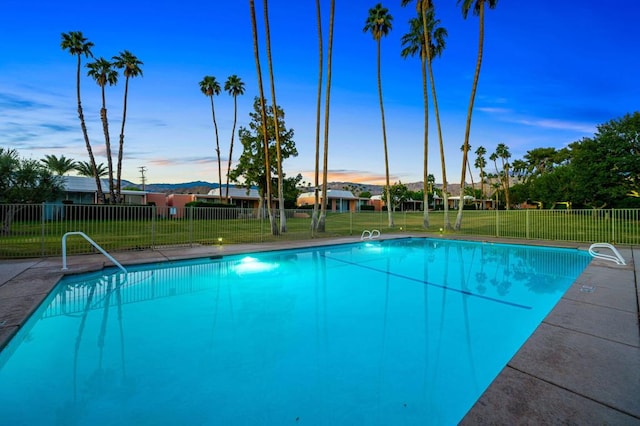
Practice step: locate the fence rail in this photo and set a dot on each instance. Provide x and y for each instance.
(36, 230)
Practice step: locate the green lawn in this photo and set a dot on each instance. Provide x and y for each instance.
(43, 238)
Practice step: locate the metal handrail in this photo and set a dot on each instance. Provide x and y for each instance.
(93, 243)
(368, 235)
(616, 257)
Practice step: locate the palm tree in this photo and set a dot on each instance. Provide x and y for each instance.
(59, 165)
(473, 184)
(283, 217)
(502, 152)
(315, 225)
(103, 73)
(378, 23)
(478, 9)
(414, 42)
(234, 87)
(130, 65)
(209, 86)
(84, 168)
(481, 163)
(434, 37)
(325, 163)
(263, 112)
(78, 45)
(497, 176)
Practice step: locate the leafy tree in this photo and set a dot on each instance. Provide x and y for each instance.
(365, 194)
(538, 161)
(378, 23)
(209, 86)
(103, 72)
(478, 9)
(24, 181)
(59, 165)
(519, 170)
(557, 185)
(78, 45)
(250, 168)
(234, 86)
(606, 167)
(130, 66)
(291, 191)
(84, 168)
(399, 194)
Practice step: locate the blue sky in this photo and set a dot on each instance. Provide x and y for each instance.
(551, 72)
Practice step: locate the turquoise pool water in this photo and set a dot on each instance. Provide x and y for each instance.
(402, 332)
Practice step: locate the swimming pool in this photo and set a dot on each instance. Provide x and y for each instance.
(408, 331)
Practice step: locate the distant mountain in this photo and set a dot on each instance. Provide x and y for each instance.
(195, 187)
(202, 187)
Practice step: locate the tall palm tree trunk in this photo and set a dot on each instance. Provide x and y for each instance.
(425, 176)
(425, 57)
(215, 129)
(85, 134)
(233, 131)
(263, 112)
(467, 131)
(314, 217)
(445, 194)
(384, 140)
(107, 144)
(283, 218)
(325, 163)
(121, 143)
(473, 184)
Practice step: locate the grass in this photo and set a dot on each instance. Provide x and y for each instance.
(43, 238)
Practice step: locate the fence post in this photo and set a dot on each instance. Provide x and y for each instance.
(191, 209)
(350, 223)
(497, 223)
(613, 226)
(261, 216)
(527, 224)
(153, 227)
(42, 231)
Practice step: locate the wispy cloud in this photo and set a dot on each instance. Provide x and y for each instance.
(508, 115)
(558, 124)
(354, 176)
(55, 127)
(12, 101)
(181, 161)
(495, 110)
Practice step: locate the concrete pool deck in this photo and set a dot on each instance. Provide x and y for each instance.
(581, 366)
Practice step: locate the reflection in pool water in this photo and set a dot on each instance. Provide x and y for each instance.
(408, 331)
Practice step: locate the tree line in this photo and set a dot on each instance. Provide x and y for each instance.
(601, 171)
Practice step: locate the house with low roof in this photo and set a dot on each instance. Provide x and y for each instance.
(83, 190)
(238, 196)
(337, 200)
(408, 205)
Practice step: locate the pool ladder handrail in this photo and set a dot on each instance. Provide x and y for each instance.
(616, 257)
(368, 235)
(93, 243)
